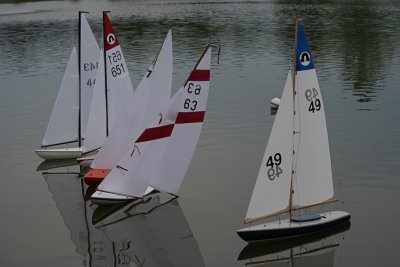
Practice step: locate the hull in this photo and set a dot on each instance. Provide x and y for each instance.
(289, 229)
(59, 153)
(95, 176)
(104, 198)
(86, 161)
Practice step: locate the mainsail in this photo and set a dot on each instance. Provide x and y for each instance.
(88, 60)
(150, 97)
(140, 166)
(118, 82)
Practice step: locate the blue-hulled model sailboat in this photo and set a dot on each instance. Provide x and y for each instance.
(295, 172)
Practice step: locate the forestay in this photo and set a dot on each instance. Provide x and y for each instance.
(63, 125)
(272, 189)
(88, 53)
(312, 170)
(142, 164)
(149, 99)
(119, 85)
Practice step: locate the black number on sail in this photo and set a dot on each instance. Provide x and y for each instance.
(274, 172)
(90, 66)
(194, 89)
(117, 70)
(91, 82)
(190, 104)
(315, 103)
(315, 106)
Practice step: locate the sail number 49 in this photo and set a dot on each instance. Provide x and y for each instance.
(273, 163)
(312, 97)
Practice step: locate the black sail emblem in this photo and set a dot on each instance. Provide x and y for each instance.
(305, 59)
(111, 39)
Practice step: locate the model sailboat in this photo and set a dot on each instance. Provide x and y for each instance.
(90, 97)
(149, 99)
(161, 155)
(295, 173)
(70, 112)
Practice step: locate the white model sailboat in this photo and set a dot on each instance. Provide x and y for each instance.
(295, 172)
(149, 99)
(70, 113)
(161, 155)
(112, 88)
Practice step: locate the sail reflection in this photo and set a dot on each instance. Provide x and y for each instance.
(55, 163)
(153, 232)
(92, 244)
(312, 250)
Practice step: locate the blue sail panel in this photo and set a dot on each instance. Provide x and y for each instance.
(304, 60)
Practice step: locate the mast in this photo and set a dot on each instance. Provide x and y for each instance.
(79, 74)
(105, 66)
(294, 94)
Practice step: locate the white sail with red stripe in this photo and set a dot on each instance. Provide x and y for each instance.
(118, 82)
(185, 135)
(149, 99)
(170, 138)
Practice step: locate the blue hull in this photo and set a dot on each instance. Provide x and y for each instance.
(269, 234)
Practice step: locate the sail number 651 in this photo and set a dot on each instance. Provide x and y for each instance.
(273, 163)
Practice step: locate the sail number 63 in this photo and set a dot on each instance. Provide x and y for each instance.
(273, 163)
(192, 90)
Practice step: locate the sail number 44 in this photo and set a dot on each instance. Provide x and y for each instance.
(273, 163)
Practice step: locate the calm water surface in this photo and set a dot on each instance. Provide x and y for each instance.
(356, 45)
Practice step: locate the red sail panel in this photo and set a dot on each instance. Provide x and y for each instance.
(110, 38)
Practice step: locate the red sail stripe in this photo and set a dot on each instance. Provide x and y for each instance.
(156, 133)
(190, 117)
(110, 38)
(200, 76)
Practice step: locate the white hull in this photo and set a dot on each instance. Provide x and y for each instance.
(59, 153)
(104, 198)
(86, 160)
(288, 229)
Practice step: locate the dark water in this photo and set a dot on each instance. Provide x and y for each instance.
(356, 46)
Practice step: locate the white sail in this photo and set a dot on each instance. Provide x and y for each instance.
(89, 54)
(271, 191)
(63, 123)
(185, 135)
(96, 127)
(312, 182)
(119, 85)
(313, 173)
(137, 168)
(132, 174)
(149, 99)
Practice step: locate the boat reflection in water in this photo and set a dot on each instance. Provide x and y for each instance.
(153, 232)
(312, 250)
